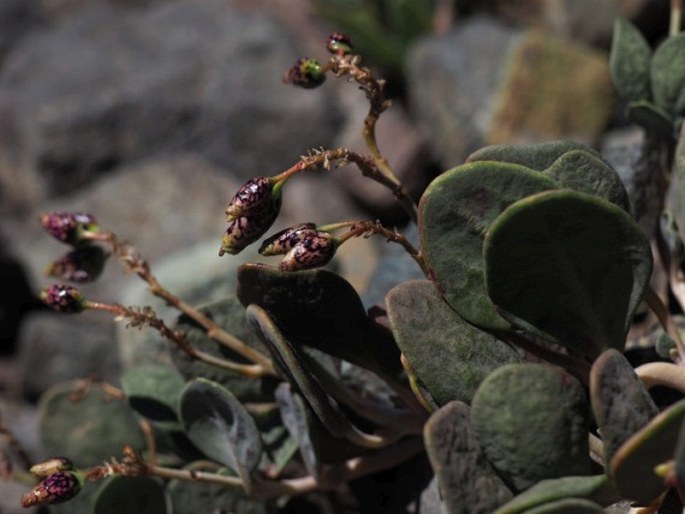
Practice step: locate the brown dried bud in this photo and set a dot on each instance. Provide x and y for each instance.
(306, 73)
(282, 242)
(339, 44)
(313, 251)
(50, 466)
(63, 298)
(56, 488)
(83, 264)
(68, 227)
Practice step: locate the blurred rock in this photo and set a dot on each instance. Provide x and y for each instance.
(486, 83)
(17, 17)
(54, 348)
(590, 21)
(107, 86)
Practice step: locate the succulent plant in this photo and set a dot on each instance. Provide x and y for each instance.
(505, 365)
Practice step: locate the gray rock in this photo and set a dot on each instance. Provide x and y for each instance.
(54, 348)
(17, 17)
(486, 83)
(107, 86)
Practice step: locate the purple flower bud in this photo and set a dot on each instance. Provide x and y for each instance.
(56, 488)
(68, 227)
(83, 264)
(339, 44)
(63, 298)
(50, 466)
(283, 241)
(256, 194)
(314, 250)
(306, 73)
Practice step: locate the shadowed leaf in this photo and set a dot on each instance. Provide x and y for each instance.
(153, 392)
(629, 62)
(130, 494)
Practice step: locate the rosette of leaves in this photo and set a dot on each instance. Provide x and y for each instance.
(651, 82)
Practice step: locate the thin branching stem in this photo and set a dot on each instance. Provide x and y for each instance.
(676, 17)
(132, 261)
(662, 374)
(147, 317)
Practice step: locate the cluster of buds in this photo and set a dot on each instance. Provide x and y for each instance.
(61, 482)
(86, 261)
(304, 247)
(251, 212)
(308, 73)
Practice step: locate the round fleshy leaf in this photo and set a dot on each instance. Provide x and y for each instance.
(538, 156)
(468, 484)
(629, 62)
(532, 422)
(320, 309)
(652, 118)
(450, 356)
(229, 314)
(130, 494)
(292, 363)
(570, 266)
(220, 426)
(582, 171)
(668, 72)
(455, 212)
(296, 418)
(153, 392)
(198, 497)
(620, 402)
(632, 467)
(89, 430)
(597, 488)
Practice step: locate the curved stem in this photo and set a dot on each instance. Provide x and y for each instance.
(129, 257)
(662, 374)
(666, 321)
(676, 17)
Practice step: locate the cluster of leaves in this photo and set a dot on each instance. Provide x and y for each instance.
(506, 363)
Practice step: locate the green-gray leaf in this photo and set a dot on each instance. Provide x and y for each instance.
(570, 266)
(620, 402)
(219, 425)
(455, 212)
(532, 422)
(450, 356)
(537, 156)
(469, 485)
(629, 62)
(153, 392)
(668, 72)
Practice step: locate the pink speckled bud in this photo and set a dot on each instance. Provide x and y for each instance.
(56, 488)
(68, 227)
(313, 251)
(83, 264)
(63, 298)
(255, 195)
(306, 73)
(282, 242)
(339, 44)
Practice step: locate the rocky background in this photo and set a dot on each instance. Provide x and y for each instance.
(150, 113)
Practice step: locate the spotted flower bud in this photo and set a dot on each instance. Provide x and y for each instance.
(314, 250)
(50, 466)
(256, 194)
(63, 298)
(56, 488)
(283, 241)
(245, 230)
(306, 73)
(339, 44)
(83, 264)
(68, 227)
